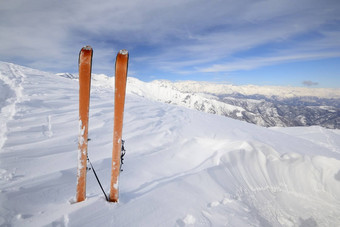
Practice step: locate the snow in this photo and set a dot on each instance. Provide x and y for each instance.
(123, 52)
(182, 167)
(87, 48)
(275, 110)
(268, 91)
(165, 92)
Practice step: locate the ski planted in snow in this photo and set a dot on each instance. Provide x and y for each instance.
(85, 65)
(120, 88)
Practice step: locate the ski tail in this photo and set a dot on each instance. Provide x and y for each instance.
(85, 67)
(120, 89)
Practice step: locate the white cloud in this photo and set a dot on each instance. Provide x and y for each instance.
(253, 63)
(49, 34)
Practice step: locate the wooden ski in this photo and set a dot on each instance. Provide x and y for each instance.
(85, 65)
(120, 88)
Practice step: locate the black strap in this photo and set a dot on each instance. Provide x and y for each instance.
(97, 179)
(122, 153)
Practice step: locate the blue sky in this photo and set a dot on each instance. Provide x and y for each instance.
(263, 42)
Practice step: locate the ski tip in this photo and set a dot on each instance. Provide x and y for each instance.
(88, 47)
(124, 52)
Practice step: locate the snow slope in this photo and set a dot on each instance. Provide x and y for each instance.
(182, 167)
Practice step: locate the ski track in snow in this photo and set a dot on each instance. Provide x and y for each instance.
(11, 79)
(182, 167)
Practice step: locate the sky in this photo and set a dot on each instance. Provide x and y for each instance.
(261, 42)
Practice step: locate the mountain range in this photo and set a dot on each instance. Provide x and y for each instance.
(268, 106)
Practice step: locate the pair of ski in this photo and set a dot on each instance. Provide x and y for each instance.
(85, 67)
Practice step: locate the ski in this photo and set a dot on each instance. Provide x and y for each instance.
(120, 88)
(85, 65)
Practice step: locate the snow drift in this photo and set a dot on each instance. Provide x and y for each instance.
(182, 167)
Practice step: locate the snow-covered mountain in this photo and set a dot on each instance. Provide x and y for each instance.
(264, 106)
(182, 167)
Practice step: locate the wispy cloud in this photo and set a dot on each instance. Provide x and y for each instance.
(170, 36)
(252, 63)
(309, 83)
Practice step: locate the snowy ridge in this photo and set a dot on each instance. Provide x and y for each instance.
(160, 91)
(11, 79)
(264, 106)
(182, 167)
(248, 90)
